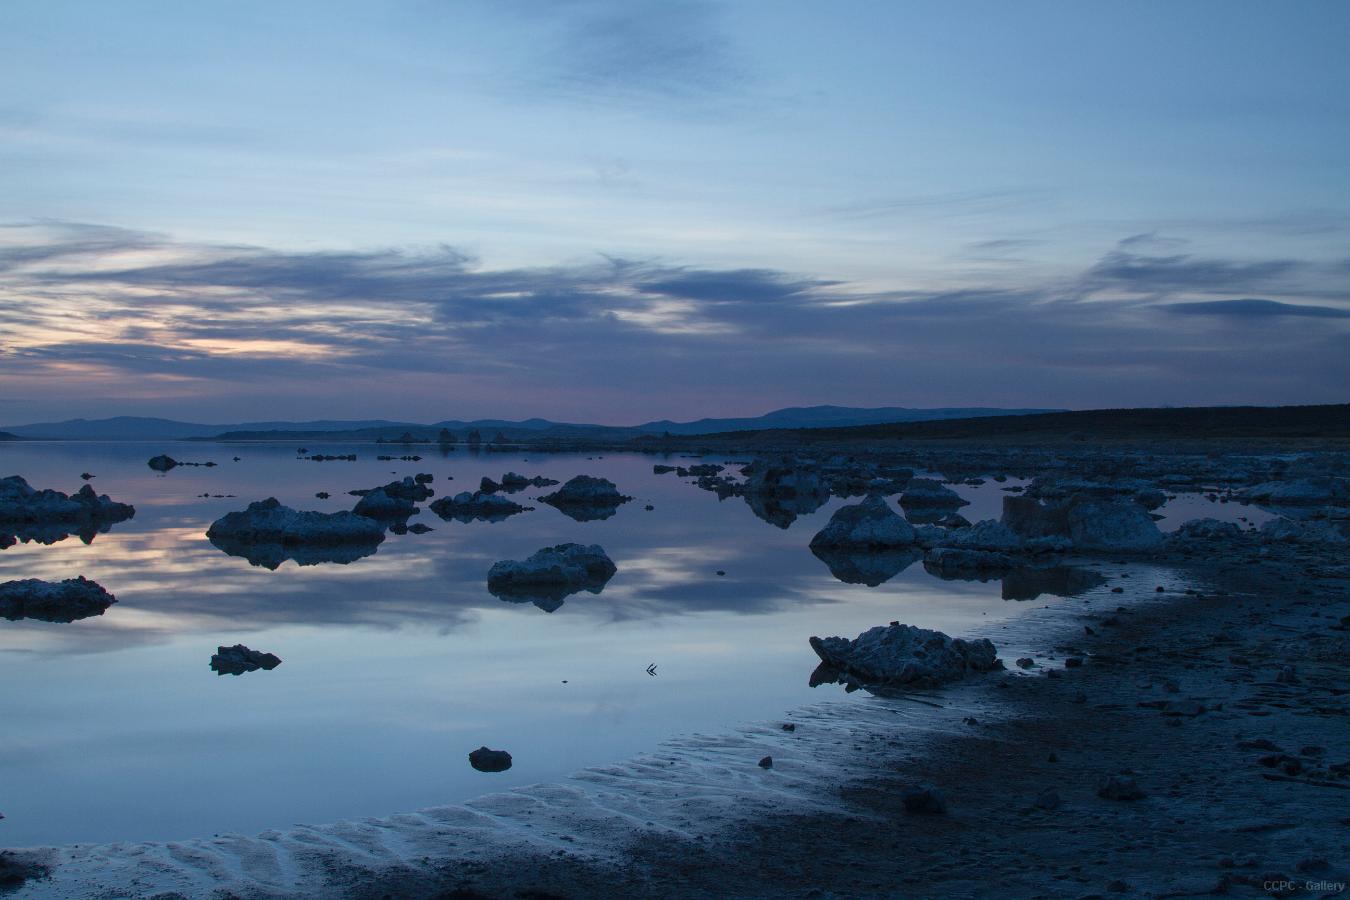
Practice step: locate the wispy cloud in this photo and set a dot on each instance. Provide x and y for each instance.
(88, 310)
(1252, 308)
(634, 52)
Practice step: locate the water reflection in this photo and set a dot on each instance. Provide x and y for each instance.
(403, 659)
(869, 568)
(270, 555)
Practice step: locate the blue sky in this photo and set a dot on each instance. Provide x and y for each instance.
(618, 211)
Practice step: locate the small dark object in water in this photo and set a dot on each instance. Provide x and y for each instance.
(239, 659)
(86, 476)
(162, 463)
(923, 800)
(1117, 590)
(649, 507)
(721, 572)
(323, 495)
(1073, 662)
(766, 762)
(1120, 787)
(485, 760)
(789, 726)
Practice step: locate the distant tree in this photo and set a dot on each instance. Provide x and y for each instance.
(446, 436)
(475, 438)
(499, 438)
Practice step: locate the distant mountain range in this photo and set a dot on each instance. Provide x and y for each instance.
(135, 428)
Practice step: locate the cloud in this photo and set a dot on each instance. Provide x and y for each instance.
(635, 52)
(1142, 274)
(163, 327)
(1251, 308)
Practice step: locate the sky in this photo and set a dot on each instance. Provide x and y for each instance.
(618, 210)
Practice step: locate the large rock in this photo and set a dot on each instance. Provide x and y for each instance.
(269, 521)
(1323, 491)
(959, 563)
(466, 507)
(411, 489)
(1112, 525)
(53, 601)
(1298, 531)
(267, 534)
(585, 498)
(1029, 519)
(378, 504)
(553, 572)
(586, 490)
(902, 655)
(871, 523)
(21, 503)
(162, 463)
(784, 480)
(986, 534)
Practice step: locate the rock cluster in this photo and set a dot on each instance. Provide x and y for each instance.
(466, 507)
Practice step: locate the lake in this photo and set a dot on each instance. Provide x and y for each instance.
(398, 664)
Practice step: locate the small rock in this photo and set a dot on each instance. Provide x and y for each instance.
(1048, 799)
(766, 762)
(485, 760)
(923, 800)
(1119, 787)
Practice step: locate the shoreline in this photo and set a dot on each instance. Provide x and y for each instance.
(632, 828)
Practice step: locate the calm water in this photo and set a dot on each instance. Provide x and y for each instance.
(398, 664)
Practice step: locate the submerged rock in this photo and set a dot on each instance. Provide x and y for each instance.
(871, 523)
(485, 760)
(53, 601)
(898, 654)
(239, 659)
(466, 507)
(553, 573)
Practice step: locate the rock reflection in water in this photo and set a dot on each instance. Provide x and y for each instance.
(270, 555)
(1029, 582)
(866, 567)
